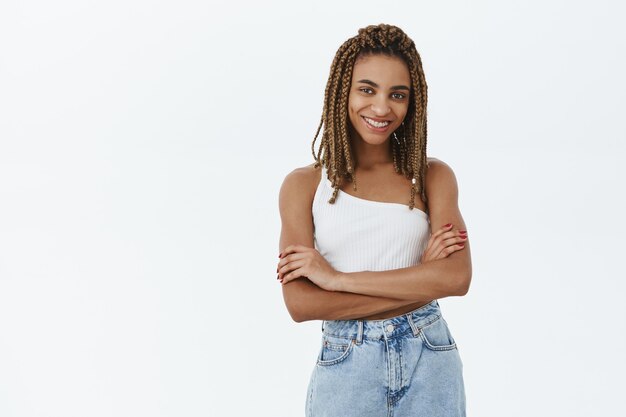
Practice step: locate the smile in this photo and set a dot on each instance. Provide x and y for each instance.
(373, 124)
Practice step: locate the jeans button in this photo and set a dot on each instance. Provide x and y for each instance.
(390, 328)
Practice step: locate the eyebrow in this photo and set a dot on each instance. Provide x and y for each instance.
(395, 87)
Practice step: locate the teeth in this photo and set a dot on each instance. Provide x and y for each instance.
(375, 123)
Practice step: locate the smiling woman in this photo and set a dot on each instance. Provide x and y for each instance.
(375, 109)
(365, 262)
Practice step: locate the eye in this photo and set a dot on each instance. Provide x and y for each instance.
(365, 90)
(398, 96)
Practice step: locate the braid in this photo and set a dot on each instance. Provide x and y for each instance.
(409, 155)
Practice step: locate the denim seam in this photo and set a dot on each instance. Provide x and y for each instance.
(309, 411)
(435, 318)
(412, 324)
(335, 346)
(396, 335)
(389, 399)
(359, 335)
(343, 356)
(339, 336)
(414, 327)
(400, 367)
(431, 346)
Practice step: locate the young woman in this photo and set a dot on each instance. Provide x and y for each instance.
(361, 259)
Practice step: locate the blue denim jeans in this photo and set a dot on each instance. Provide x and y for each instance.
(407, 365)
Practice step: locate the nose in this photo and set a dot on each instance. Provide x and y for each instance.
(380, 107)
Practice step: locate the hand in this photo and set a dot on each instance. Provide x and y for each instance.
(298, 261)
(444, 242)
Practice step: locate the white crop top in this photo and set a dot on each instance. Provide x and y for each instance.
(355, 234)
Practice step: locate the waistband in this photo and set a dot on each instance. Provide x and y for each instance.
(385, 328)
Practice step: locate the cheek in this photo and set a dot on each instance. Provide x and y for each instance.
(353, 107)
(401, 111)
(355, 102)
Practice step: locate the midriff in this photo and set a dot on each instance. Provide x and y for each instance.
(396, 311)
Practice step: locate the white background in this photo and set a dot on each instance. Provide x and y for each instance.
(142, 147)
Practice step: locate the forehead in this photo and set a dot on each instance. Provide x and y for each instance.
(381, 69)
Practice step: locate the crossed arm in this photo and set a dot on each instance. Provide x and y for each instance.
(365, 293)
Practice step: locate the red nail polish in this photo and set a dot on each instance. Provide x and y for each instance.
(462, 231)
(462, 245)
(448, 225)
(463, 237)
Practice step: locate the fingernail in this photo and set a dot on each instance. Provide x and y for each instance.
(463, 237)
(462, 245)
(462, 231)
(280, 255)
(277, 276)
(448, 225)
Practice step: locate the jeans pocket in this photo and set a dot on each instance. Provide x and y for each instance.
(437, 335)
(334, 350)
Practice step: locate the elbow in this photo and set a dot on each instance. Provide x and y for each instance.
(297, 315)
(299, 297)
(297, 310)
(462, 284)
(300, 316)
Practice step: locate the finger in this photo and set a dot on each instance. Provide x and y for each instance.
(290, 258)
(294, 264)
(438, 243)
(452, 234)
(443, 229)
(290, 267)
(448, 250)
(446, 243)
(439, 232)
(448, 238)
(452, 240)
(295, 274)
(294, 248)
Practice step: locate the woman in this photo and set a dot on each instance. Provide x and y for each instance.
(360, 259)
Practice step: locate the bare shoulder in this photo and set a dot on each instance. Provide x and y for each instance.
(299, 185)
(442, 194)
(437, 165)
(295, 203)
(439, 178)
(303, 176)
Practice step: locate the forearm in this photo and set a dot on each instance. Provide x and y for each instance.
(306, 301)
(432, 280)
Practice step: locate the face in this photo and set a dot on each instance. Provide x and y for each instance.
(379, 97)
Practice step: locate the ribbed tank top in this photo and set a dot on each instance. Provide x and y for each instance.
(355, 234)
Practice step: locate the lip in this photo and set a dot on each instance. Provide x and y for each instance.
(377, 119)
(376, 129)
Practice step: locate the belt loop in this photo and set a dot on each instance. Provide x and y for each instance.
(359, 335)
(413, 326)
(323, 322)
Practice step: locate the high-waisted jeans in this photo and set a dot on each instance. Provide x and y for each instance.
(407, 365)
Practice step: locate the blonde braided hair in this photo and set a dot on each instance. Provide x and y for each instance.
(409, 159)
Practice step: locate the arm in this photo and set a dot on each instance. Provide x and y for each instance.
(305, 300)
(437, 279)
